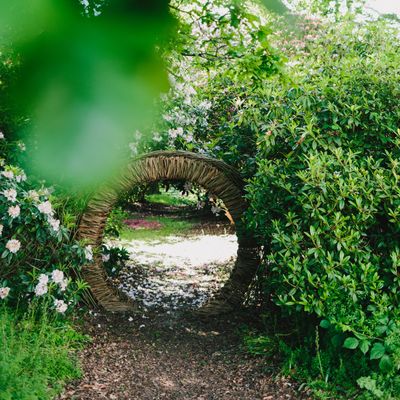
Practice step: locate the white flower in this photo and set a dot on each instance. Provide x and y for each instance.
(33, 195)
(20, 178)
(89, 253)
(45, 208)
(221, 11)
(41, 289)
(4, 291)
(173, 133)
(10, 194)
(105, 257)
(1, 229)
(13, 246)
(1, 135)
(43, 279)
(57, 276)
(14, 211)
(54, 223)
(60, 306)
(8, 174)
(64, 284)
(205, 105)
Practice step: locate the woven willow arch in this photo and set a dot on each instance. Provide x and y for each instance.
(213, 175)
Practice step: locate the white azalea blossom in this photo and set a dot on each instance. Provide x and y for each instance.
(43, 278)
(1, 229)
(20, 178)
(4, 292)
(1, 135)
(57, 276)
(54, 223)
(45, 208)
(14, 211)
(10, 194)
(13, 246)
(60, 306)
(33, 195)
(105, 257)
(63, 284)
(8, 174)
(41, 289)
(174, 133)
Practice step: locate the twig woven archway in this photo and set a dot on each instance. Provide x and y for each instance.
(213, 175)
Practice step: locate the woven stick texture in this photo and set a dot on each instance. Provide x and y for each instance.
(213, 175)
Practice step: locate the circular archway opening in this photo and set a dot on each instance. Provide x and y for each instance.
(215, 177)
(170, 246)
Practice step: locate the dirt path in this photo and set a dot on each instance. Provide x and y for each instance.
(173, 357)
(165, 353)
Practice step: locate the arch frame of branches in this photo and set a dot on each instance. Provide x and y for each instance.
(213, 175)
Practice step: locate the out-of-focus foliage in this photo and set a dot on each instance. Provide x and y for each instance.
(85, 82)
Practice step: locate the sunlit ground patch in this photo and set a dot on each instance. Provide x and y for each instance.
(176, 273)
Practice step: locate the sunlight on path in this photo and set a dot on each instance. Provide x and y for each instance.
(177, 272)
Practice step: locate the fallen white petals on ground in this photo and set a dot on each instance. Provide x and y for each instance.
(176, 272)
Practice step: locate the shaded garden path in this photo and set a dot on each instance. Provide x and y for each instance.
(173, 358)
(163, 351)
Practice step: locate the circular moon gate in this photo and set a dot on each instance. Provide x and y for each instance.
(213, 175)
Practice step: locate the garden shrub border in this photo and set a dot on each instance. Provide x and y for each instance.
(213, 175)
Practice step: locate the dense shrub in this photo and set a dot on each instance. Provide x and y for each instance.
(325, 199)
(38, 258)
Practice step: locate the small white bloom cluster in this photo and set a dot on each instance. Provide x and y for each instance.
(4, 291)
(60, 306)
(10, 195)
(47, 209)
(42, 288)
(57, 277)
(14, 211)
(13, 245)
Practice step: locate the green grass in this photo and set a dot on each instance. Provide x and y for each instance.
(170, 227)
(36, 355)
(172, 197)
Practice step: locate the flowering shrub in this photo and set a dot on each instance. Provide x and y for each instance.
(38, 260)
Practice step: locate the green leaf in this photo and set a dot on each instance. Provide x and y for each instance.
(364, 346)
(377, 351)
(350, 343)
(386, 363)
(325, 324)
